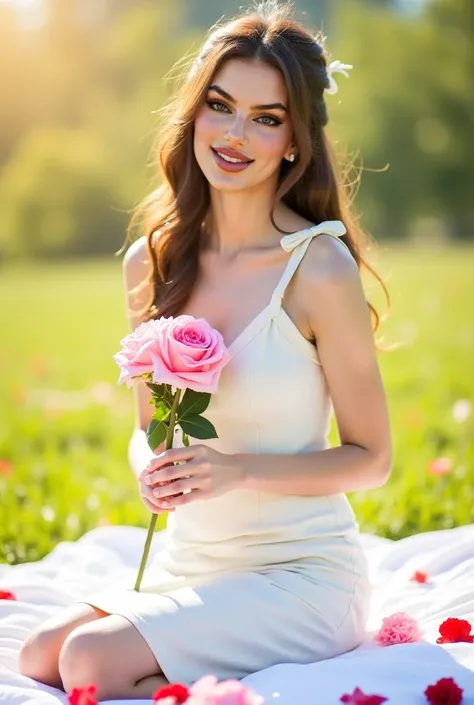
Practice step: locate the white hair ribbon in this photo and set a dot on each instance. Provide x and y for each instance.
(336, 67)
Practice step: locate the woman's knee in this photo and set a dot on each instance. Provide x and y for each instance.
(38, 657)
(111, 655)
(81, 659)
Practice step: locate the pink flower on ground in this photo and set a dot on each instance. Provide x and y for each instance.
(184, 352)
(399, 628)
(360, 698)
(208, 691)
(440, 466)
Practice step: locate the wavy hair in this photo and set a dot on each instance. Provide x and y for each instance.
(312, 185)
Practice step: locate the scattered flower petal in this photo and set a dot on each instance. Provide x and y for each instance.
(419, 577)
(360, 698)
(440, 466)
(444, 692)
(454, 630)
(398, 628)
(208, 691)
(175, 692)
(83, 696)
(7, 595)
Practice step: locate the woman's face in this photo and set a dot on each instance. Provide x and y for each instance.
(232, 118)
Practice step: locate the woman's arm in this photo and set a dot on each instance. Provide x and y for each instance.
(136, 267)
(339, 317)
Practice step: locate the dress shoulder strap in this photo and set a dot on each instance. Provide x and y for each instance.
(298, 243)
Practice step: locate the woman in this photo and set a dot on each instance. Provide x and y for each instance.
(262, 562)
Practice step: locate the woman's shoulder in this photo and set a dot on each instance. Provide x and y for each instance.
(328, 259)
(136, 259)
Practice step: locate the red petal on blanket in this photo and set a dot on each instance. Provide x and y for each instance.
(7, 595)
(360, 698)
(83, 696)
(419, 577)
(454, 630)
(444, 692)
(179, 692)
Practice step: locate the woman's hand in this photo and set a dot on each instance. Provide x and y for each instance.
(203, 473)
(147, 497)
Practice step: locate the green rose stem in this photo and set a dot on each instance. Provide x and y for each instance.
(151, 528)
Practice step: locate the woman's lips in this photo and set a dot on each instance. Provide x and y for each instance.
(229, 166)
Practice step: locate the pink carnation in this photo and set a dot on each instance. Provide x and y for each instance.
(399, 628)
(208, 691)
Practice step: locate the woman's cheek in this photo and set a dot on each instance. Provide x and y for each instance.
(269, 143)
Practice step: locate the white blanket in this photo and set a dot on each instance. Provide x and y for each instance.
(109, 556)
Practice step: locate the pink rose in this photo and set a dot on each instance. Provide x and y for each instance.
(134, 358)
(208, 691)
(184, 352)
(188, 353)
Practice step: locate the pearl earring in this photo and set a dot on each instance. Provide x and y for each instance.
(291, 158)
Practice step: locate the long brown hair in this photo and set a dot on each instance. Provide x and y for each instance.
(312, 185)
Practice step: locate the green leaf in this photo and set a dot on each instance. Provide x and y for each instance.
(156, 433)
(162, 411)
(193, 403)
(158, 389)
(185, 439)
(198, 427)
(161, 391)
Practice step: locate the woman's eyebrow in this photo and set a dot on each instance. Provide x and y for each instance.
(269, 106)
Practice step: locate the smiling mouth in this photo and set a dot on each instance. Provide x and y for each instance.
(231, 160)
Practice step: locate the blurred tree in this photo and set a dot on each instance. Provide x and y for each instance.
(408, 104)
(58, 197)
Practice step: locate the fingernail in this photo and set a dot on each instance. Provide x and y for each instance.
(165, 504)
(148, 479)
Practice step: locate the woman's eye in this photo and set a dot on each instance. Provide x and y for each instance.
(273, 121)
(212, 103)
(222, 107)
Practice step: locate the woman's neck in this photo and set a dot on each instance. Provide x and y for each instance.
(241, 220)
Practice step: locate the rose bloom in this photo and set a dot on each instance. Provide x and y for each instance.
(184, 352)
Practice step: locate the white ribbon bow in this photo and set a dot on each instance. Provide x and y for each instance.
(336, 67)
(329, 227)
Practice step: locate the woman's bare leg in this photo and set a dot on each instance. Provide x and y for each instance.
(112, 655)
(39, 654)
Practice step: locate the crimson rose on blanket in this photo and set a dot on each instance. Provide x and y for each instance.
(173, 355)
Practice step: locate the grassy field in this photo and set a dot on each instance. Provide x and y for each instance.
(65, 425)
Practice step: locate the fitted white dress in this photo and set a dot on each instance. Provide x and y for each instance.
(251, 579)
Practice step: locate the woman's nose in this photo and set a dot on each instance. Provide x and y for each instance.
(236, 132)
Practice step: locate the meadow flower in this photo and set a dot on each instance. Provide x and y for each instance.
(440, 466)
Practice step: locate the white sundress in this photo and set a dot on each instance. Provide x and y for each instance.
(251, 579)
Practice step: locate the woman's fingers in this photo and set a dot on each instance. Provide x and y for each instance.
(151, 502)
(176, 487)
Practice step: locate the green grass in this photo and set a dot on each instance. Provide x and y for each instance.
(65, 424)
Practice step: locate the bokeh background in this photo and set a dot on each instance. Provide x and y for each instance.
(81, 82)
